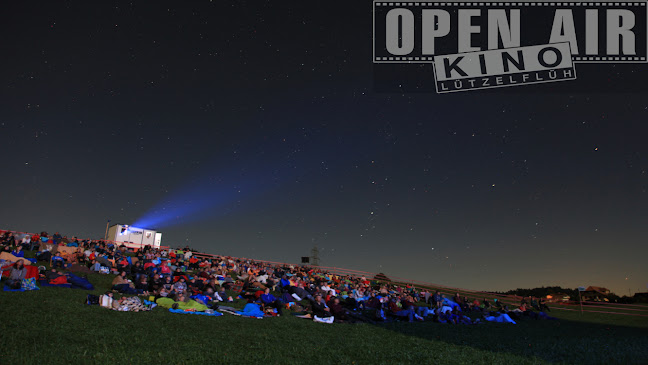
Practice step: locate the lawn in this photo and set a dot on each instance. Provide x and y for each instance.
(53, 325)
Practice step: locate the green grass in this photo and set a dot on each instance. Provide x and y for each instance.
(53, 325)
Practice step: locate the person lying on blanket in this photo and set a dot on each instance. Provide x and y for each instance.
(56, 277)
(212, 295)
(16, 275)
(181, 302)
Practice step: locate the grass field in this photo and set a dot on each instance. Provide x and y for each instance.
(53, 325)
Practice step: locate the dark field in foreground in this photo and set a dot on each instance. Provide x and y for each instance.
(53, 325)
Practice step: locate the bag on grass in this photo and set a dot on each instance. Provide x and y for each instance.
(92, 299)
(29, 284)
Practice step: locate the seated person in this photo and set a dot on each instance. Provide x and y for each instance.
(437, 299)
(338, 310)
(80, 256)
(143, 285)
(372, 302)
(71, 258)
(137, 270)
(195, 286)
(57, 261)
(268, 300)
(16, 275)
(44, 256)
(319, 308)
(122, 264)
(406, 310)
(180, 286)
(466, 304)
(165, 269)
(155, 284)
(457, 299)
(343, 314)
(18, 251)
(167, 285)
(123, 285)
(327, 289)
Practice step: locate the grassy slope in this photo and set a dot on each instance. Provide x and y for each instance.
(54, 325)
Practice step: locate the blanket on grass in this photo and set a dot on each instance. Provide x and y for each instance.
(11, 258)
(130, 304)
(234, 311)
(6, 288)
(251, 310)
(214, 314)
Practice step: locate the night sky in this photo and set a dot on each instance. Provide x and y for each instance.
(256, 129)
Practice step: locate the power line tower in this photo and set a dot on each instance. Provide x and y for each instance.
(315, 256)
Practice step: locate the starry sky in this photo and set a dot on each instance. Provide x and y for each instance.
(262, 129)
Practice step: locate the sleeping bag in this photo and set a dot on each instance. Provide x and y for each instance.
(59, 280)
(79, 283)
(251, 310)
(191, 305)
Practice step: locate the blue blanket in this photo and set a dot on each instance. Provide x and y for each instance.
(6, 288)
(215, 314)
(251, 310)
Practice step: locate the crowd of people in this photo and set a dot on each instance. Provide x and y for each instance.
(184, 279)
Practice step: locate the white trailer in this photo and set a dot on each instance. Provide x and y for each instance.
(134, 237)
